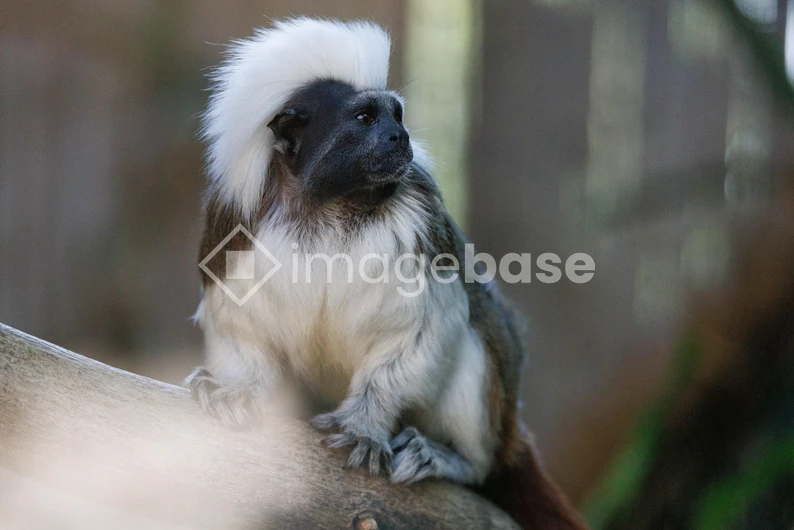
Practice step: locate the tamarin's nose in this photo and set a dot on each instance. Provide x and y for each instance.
(393, 139)
(398, 135)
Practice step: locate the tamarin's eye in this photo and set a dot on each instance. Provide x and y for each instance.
(365, 119)
(398, 114)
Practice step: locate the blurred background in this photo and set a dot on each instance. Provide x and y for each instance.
(656, 136)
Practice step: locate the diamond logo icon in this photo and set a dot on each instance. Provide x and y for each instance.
(240, 265)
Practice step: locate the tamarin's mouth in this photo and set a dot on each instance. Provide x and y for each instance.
(375, 194)
(390, 166)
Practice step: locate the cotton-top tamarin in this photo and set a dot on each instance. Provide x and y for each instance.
(308, 152)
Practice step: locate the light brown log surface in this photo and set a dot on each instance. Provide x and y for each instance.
(144, 447)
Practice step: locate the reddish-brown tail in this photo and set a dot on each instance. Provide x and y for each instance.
(524, 490)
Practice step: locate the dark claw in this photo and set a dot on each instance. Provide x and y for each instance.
(383, 461)
(377, 455)
(359, 453)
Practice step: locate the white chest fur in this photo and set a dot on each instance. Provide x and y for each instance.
(329, 313)
(330, 307)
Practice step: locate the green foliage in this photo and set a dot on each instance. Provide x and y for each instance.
(724, 502)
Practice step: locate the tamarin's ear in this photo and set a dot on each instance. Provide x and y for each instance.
(285, 126)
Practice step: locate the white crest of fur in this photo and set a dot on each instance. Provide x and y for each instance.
(258, 78)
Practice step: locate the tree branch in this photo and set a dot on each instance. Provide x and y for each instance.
(145, 447)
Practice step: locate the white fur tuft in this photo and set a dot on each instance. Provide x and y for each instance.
(258, 78)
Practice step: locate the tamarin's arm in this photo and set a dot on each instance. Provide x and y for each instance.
(409, 370)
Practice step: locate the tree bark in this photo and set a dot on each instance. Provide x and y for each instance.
(145, 448)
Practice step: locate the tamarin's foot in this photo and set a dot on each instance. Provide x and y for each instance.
(370, 447)
(418, 458)
(237, 408)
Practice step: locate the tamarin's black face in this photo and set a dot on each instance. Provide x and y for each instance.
(341, 142)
